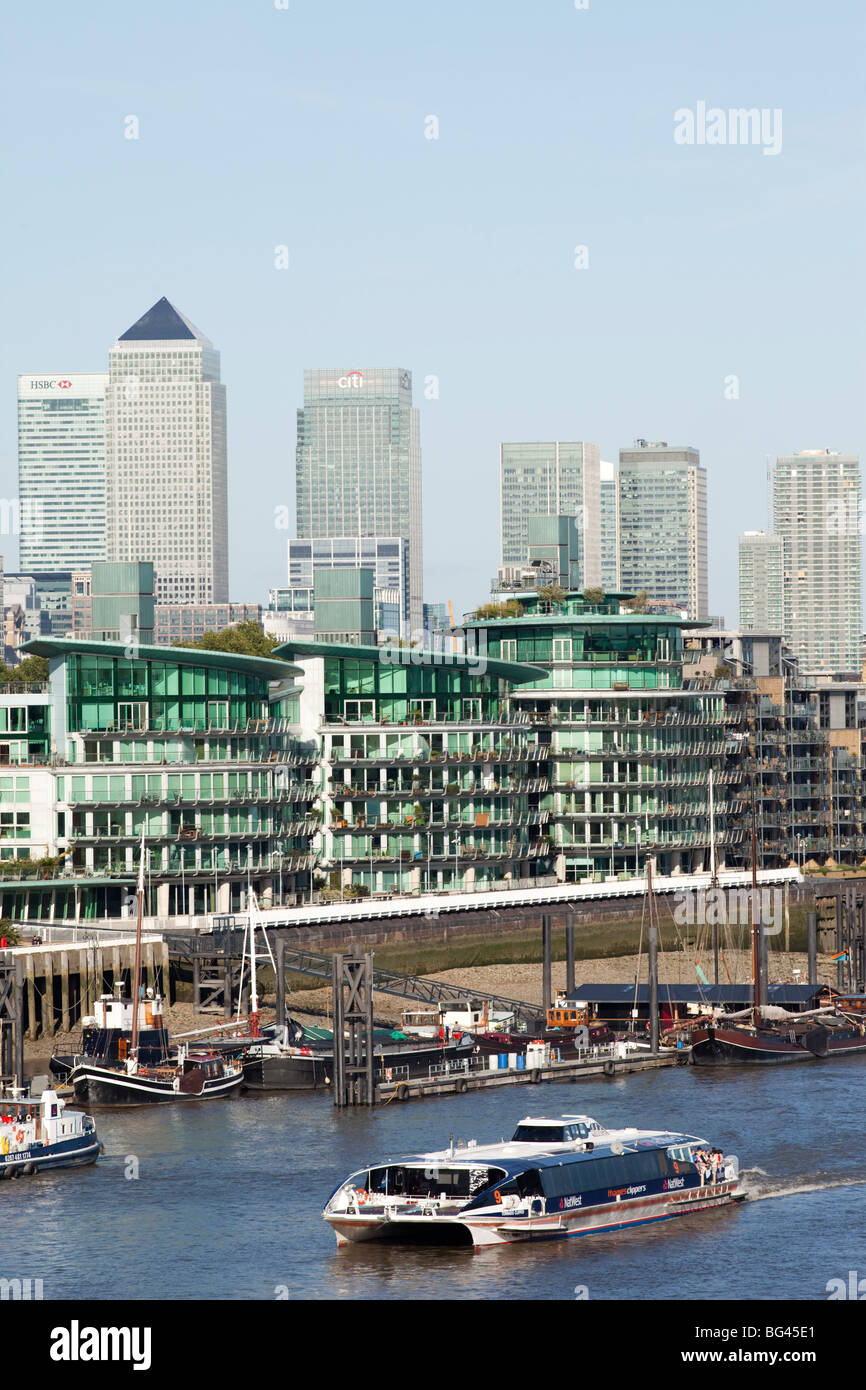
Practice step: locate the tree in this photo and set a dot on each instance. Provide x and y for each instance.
(244, 639)
(722, 672)
(638, 604)
(513, 608)
(32, 669)
(552, 593)
(594, 597)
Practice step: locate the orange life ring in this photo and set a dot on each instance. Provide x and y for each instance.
(362, 1196)
(19, 1136)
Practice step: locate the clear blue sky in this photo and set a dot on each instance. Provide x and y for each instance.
(306, 126)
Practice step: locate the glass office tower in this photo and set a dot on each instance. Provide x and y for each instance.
(61, 470)
(165, 457)
(551, 479)
(359, 462)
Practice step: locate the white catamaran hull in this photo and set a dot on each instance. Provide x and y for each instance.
(506, 1227)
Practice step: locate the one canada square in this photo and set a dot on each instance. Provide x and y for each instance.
(165, 457)
(359, 462)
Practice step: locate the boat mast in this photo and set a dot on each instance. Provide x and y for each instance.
(136, 974)
(254, 995)
(714, 883)
(755, 966)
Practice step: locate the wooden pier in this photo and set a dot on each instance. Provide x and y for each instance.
(60, 981)
(459, 1082)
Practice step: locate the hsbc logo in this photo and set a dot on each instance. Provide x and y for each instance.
(49, 383)
(64, 385)
(352, 379)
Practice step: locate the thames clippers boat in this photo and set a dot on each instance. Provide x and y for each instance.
(37, 1134)
(555, 1178)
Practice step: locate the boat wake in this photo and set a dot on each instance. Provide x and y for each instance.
(760, 1191)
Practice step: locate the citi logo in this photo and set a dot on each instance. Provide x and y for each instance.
(76, 1343)
(351, 379)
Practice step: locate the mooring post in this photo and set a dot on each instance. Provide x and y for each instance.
(340, 1097)
(840, 964)
(569, 955)
(546, 999)
(812, 946)
(280, 956)
(19, 1031)
(227, 978)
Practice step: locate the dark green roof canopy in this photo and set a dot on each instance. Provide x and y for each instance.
(515, 671)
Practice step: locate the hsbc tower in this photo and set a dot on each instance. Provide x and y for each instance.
(60, 514)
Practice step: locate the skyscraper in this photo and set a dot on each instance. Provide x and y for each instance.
(551, 479)
(165, 457)
(609, 528)
(359, 463)
(761, 576)
(61, 470)
(663, 525)
(816, 506)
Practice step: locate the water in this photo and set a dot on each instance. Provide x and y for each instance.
(227, 1203)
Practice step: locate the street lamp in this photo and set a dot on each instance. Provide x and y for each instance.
(456, 858)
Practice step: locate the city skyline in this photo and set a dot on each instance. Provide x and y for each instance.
(482, 299)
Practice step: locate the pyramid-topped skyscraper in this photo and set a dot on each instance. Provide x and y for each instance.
(165, 457)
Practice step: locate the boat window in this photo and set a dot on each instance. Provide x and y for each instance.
(529, 1183)
(407, 1181)
(538, 1134)
(596, 1174)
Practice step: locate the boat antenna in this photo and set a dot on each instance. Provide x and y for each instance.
(136, 974)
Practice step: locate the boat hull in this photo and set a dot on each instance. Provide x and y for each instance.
(70, 1153)
(504, 1229)
(720, 1047)
(288, 1073)
(104, 1086)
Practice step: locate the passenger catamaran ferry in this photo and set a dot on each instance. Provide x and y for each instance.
(554, 1178)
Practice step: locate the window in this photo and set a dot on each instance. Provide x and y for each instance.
(562, 649)
(356, 710)
(508, 649)
(132, 715)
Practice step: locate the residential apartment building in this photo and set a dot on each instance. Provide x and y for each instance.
(663, 525)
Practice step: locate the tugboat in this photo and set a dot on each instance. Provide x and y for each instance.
(555, 1178)
(198, 1075)
(107, 1033)
(37, 1134)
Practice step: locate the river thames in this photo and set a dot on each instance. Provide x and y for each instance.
(223, 1200)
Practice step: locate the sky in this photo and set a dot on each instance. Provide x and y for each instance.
(718, 300)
